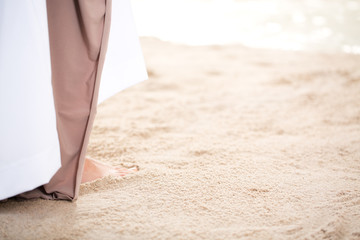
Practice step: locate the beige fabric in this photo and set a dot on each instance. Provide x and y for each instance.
(78, 32)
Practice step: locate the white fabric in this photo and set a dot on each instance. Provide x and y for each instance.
(29, 147)
(124, 63)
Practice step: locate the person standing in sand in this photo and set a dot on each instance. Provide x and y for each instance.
(52, 56)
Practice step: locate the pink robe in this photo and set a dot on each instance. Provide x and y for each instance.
(78, 39)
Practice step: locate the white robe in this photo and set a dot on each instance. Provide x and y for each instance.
(29, 146)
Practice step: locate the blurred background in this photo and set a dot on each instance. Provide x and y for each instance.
(320, 25)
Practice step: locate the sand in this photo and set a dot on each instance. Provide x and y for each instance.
(232, 143)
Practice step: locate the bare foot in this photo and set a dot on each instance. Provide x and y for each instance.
(94, 169)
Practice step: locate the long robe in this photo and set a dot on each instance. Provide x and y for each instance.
(52, 57)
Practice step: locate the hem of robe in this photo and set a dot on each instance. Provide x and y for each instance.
(29, 170)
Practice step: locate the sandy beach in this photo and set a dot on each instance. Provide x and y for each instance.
(231, 142)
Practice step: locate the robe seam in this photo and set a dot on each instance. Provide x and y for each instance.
(93, 104)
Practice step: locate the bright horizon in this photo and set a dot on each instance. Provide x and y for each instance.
(276, 24)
